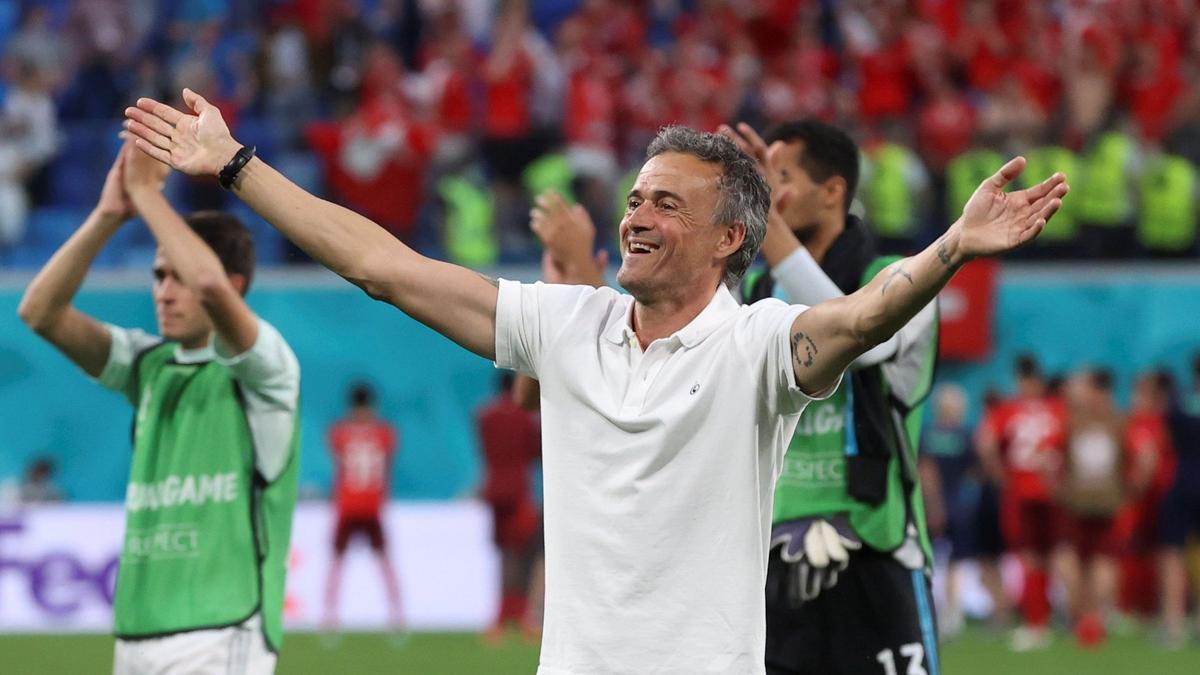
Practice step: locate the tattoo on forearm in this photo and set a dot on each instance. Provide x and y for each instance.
(942, 253)
(897, 271)
(488, 279)
(802, 342)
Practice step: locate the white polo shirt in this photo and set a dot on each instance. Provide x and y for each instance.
(659, 471)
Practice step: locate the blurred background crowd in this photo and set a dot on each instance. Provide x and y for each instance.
(439, 118)
(1089, 495)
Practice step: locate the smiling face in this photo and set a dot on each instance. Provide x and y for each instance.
(670, 246)
(181, 316)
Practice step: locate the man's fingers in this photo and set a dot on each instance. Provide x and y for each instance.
(147, 134)
(194, 101)
(153, 121)
(1052, 184)
(157, 153)
(755, 141)
(1007, 173)
(743, 144)
(1050, 208)
(166, 112)
(1031, 232)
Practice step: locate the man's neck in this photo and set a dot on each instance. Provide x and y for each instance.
(824, 235)
(192, 344)
(660, 319)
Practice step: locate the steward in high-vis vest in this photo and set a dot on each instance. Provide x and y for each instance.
(964, 173)
(469, 222)
(1041, 162)
(894, 179)
(848, 569)
(212, 482)
(1105, 202)
(1167, 219)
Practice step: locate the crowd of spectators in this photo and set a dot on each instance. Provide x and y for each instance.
(438, 118)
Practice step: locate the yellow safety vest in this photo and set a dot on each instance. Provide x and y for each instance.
(1168, 201)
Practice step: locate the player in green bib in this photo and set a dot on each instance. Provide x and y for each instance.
(212, 483)
(848, 573)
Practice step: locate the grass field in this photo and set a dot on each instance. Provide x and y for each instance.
(976, 653)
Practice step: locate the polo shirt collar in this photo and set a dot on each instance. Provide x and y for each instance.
(719, 308)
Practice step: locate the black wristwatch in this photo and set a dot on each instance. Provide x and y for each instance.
(234, 167)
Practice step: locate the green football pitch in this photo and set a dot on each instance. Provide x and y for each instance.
(977, 653)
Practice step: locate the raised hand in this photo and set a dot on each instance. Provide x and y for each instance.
(752, 144)
(197, 144)
(141, 171)
(994, 221)
(113, 202)
(767, 159)
(569, 235)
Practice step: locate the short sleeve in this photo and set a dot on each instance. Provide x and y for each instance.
(118, 370)
(528, 319)
(269, 375)
(769, 332)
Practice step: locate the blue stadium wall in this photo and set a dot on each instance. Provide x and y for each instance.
(1125, 318)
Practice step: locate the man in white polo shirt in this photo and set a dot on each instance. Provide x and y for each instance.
(665, 412)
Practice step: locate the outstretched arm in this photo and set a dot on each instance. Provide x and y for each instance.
(828, 337)
(46, 305)
(452, 300)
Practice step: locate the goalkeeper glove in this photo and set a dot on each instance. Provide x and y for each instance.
(814, 552)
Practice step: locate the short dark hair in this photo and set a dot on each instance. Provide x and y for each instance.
(505, 381)
(1102, 379)
(1164, 381)
(1026, 365)
(744, 196)
(1055, 385)
(229, 239)
(828, 152)
(362, 395)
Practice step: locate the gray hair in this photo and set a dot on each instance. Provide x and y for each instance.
(743, 196)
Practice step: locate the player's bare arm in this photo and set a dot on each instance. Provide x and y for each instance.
(452, 300)
(828, 337)
(196, 265)
(46, 306)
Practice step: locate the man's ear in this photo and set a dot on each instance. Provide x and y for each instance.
(732, 240)
(833, 192)
(239, 282)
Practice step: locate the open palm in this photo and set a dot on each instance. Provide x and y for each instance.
(995, 221)
(197, 144)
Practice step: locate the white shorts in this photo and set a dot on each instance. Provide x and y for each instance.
(236, 650)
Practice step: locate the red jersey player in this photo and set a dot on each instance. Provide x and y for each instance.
(1151, 474)
(511, 441)
(363, 446)
(1093, 489)
(1019, 445)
